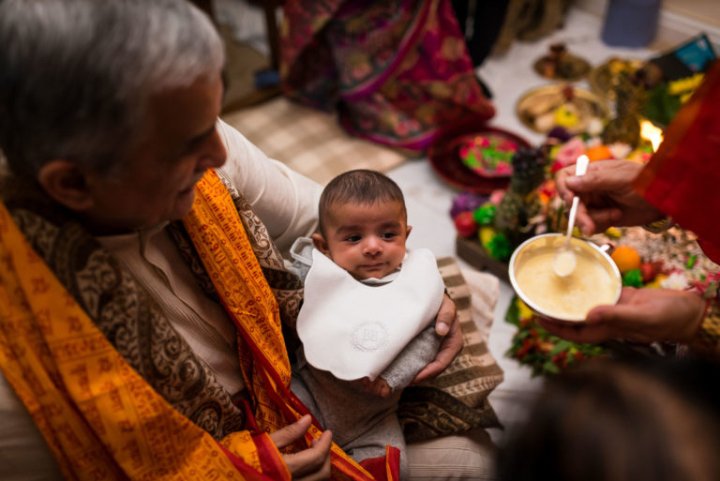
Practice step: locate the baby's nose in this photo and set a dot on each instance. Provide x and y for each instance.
(372, 246)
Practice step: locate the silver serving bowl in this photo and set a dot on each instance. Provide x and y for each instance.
(557, 291)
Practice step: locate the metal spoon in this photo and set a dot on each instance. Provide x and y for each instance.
(564, 262)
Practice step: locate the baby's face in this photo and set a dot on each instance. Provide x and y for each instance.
(365, 240)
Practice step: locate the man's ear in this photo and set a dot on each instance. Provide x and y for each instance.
(320, 243)
(66, 184)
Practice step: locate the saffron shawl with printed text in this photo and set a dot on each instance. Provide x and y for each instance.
(115, 391)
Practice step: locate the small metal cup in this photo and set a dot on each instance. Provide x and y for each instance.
(550, 243)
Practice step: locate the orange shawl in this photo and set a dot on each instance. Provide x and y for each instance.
(99, 417)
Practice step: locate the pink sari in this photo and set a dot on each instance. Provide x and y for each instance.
(395, 70)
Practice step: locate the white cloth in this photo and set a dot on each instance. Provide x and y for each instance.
(354, 330)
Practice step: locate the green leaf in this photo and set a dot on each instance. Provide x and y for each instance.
(550, 367)
(633, 278)
(512, 315)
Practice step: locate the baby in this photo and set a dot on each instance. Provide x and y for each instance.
(366, 321)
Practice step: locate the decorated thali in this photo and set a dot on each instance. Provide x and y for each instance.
(475, 158)
(560, 105)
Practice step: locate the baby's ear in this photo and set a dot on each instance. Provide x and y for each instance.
(320, 243)
(409, 229)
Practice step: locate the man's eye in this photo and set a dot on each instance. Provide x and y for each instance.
(196, 143)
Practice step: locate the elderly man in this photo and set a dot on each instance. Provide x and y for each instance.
(142, 295)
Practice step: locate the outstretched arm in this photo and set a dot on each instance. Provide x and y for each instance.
(607, 195)
(641, 315)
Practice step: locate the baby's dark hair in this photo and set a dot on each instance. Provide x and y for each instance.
(361, 186)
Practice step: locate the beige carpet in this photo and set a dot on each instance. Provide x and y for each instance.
(308, 140)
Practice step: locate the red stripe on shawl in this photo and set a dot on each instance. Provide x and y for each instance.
(384, 468)
(246, 469)
(392, 454)
(341, 465)
(270, 460)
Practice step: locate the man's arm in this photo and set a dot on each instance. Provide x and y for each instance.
(285, 200)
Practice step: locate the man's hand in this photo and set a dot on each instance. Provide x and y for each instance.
(446, 324)
(642, 315)
(607, 195)
(312, 464)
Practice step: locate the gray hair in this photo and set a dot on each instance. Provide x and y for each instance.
(76, 75)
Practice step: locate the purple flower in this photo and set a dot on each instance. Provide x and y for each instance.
(466, 201)
(560, 133)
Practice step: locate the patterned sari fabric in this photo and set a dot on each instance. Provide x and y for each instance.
(113, 388)
(396, 71)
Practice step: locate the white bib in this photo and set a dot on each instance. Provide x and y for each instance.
(355, 330)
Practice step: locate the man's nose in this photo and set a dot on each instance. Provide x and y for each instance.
(213, 154)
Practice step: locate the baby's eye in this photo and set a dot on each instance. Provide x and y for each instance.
(353, 238)
(389, 235)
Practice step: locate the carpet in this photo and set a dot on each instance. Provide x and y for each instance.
(309, 141)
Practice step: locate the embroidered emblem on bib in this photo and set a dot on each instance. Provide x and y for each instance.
(354, 330)
(370, 336)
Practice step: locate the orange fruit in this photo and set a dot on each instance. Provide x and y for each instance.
(599, 152)
(626, 258)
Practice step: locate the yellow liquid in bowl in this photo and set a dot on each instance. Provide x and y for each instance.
(571, 297)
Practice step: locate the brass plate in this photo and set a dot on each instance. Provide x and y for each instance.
(535, 105)
(603, 78)
(571, 67)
